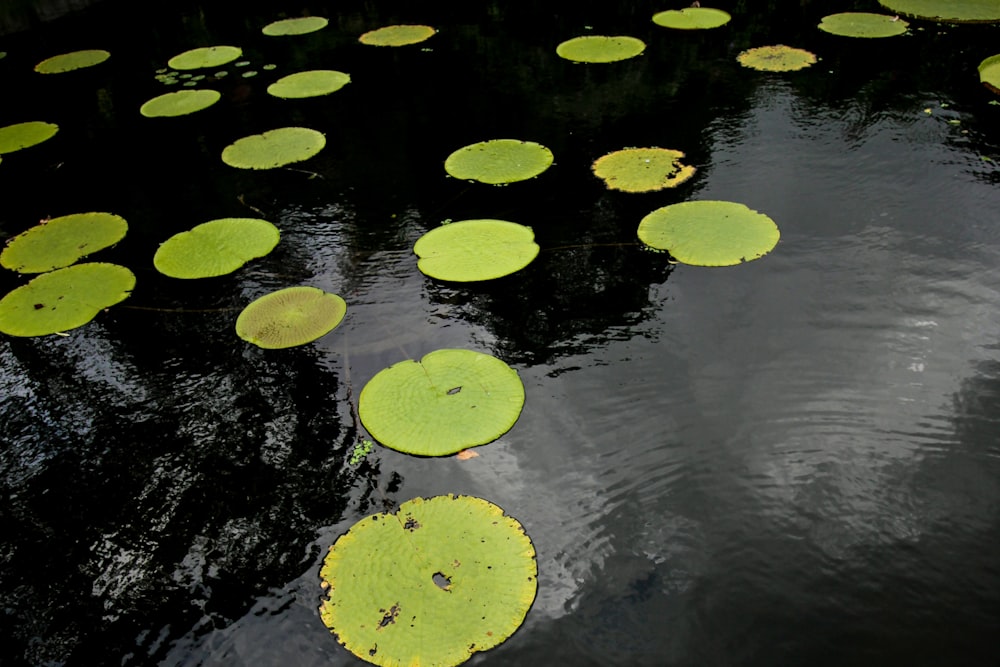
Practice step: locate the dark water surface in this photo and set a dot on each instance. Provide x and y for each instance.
(790, 462)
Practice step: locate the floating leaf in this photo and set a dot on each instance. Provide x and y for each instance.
(67, 62)
(778, 58)
(64, 299)
(642, 169)
(179, 103)
(448, 401)
(274, 148)
(215, 248)
(600, 48)
(709, 233)
(863, 24)
(397, 35)
(312, 83)
(472, 250)
(62, 241)
(949, 11)
(290, 317)
(499, 161)
(295, 26)
(206, 56)
(692, 18)
(24, 135)
(989, 73)
(442, 578)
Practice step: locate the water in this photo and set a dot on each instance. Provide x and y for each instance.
(792, 461)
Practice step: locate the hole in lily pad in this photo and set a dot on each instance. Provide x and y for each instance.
(600, 48)
(989, 73)
(179, 103)
(68, 62)
(472, 250)
(312, 83)
(62, 241)
(777, 58)
(499, 161)
(295, 26)
(215, 248)
(948, 11)
(206, 56)
(463, 582)
(642, 169)
(692, 18)
(290, 317)
(410, 407)
(863, 24)
(24, 135)
(397, 35)
(709, 233)
(274, 148)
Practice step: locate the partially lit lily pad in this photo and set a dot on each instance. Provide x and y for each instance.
(295, 26)
(179, 103)
(448, 401)
(397, 35)
(948, 11)
(863, 24)
(692, 18)
(778, 58)
(600, 48)
(274, 148)
(642, 169)
(24, 135)
(312, 83)
(989, 73)
(438, 580)
(499, 161)
(472, 250)
(709, 233)
(64, 299)
(62, 241)
(290, 317)
(215, 248)
(206, 56)
(68, 62)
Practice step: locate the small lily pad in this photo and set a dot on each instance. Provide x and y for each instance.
(397, 35)
(206, 56)
(989, 73)
(947, 11)
(600, 48)
(215, 248)
(778, 58)
(68, 62)
(499, 161)
(450, 400)
(709, 233)
(471, 250)
(62, 241)
(64, 299)
(312, 83)
(274, 148)
(642, 169)
(290, 317)
(180, 103)
(863, 24)
(295, 26)
(24, 135)
(692, 18)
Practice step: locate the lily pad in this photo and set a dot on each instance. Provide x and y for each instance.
(709, 233)
(290, 317)
(642, 169)
(948, 11)
(180, 103)
(499, 161)
(295, 26)
(442, 578)
(24, 135)
(274, 148)
(863, 24)
(471, 250)
(397, 35)
(778, 58)
(206, 56)
(600, 48)
(62, 241)
(68, 62)
(448, 401)
(215, 248)
(312, 83)
(692, 18)
(64, 299)
(989, 73)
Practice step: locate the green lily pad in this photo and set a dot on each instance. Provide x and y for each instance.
(397, 35)
(24, 135)
(179, 103)
(600, 48)
(989, 73)
(290, 317)
(499, 161)
(642, 169)
(441, 579)
(709, 233)
(692, 18)
(62, 241)
(64, 299)
(312, 83)
(274, 148)
(778, 58)
(863, 24)
(472, 250)
(295, 26)
(948, 11)
(215, 248)
(68, 62)
(450, 400)
(206, 56)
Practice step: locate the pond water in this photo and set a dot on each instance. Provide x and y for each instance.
(792, 461)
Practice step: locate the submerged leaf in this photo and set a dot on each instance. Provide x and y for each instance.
(312, 83)
(206, 56)
(600, 48)
(67, 62)
(61, 241)
(397, 35)
(642, 169)
(274, 148)
(471, 250)
(290, 317)
(692, 18)
(179, 103)
(215, 248)
(24, 135)
(499, 161)
(778, 58)
(295, 26)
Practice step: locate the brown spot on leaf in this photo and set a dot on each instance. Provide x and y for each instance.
(389, 618)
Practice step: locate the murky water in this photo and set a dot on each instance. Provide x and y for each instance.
(793, 461)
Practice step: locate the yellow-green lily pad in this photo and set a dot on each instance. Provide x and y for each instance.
(989, 73)
(600, 48)
(499, 161)
(642, 169)
(312, 83)
(295, 26)
(179, 103)
(274, 148)
(24, 135)
(692, 18)
(947, 11)
(62, 241)
(863, 24)
(472, 250)
(215, 248)
(289, 317)
(777, 58)
(206, 56)
(397, 35)
(68, 62)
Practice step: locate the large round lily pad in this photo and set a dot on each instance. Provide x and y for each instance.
(206, 56)
(692, 18)
(600, 48)
(64, 299)
(709, 233)
(439, 580)
(471, 250)
(863, 24)
(947, 11)
(24, 135)
(448, 401)
(397, 35)
(274, 148)
(179, 103)
(499, 161)
(312, 83)
(989, 73)
(642, 169)
(295, 26)
(215, 248)
(62, 241)
(777, 58)
(68, 62)
(290, 317)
